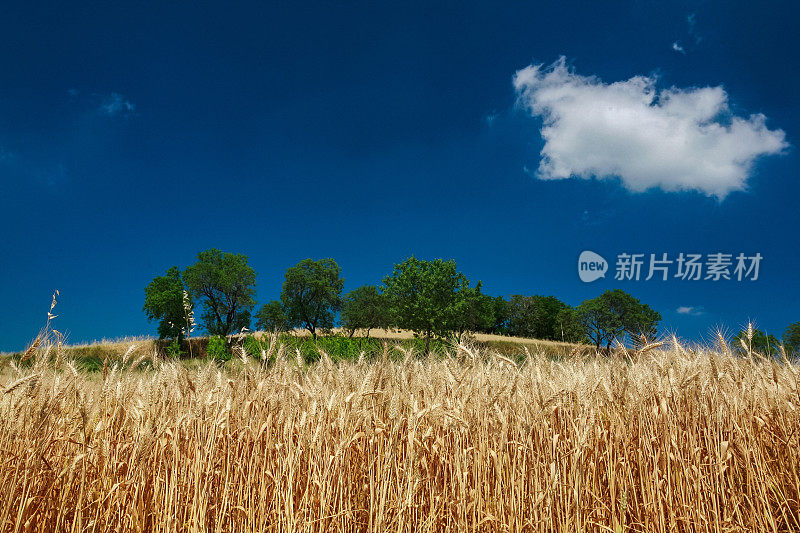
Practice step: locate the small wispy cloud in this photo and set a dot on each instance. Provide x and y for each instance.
(690, 310)
(691, 19)
(491, 118)
(691, 31)
(596, 217)
(116, 104)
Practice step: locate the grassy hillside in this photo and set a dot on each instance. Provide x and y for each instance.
(92, 356)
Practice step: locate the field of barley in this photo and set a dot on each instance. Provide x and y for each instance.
(665, 438)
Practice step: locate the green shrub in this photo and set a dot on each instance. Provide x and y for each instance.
(217, 348)
(337, 347)
(253, 346)
(437, 345)
(256, 348)
(174, 349)
(89, 363)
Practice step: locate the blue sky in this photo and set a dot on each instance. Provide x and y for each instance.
(136, 134)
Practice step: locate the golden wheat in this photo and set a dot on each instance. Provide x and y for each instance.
(669, 439)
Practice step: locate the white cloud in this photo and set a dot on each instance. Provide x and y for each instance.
(674, 139)
(491, 118)
(691, 19)
(689, 310)
(678, 48)
(116, 104)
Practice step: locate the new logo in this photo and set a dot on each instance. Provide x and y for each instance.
(591, 266)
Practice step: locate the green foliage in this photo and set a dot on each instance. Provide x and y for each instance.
(217, 348)
(423, 345)
(340, 348)
(614, 314)
(569, 326)
(365, 308)
(89, 364)
(474, 311)
(225, 283)
(431, 298)
(174, 349)
(791, 339)
(337, 347)
(253, 346)
(500, 316)
(427, 297)
(272, 317)
(257, 349)
(312, 294)
(166, 301)
(760, 342)
(535, 317)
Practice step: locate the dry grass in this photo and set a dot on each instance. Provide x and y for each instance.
(666, 439)
(113, 349)
(399, 334)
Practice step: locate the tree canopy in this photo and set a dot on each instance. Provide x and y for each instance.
(225, 284)
(570, 328)
(475, 311)
(311, 294)
(614, 314)
(499, 315)
(433, 299)
(166, 300)
(427, 297)
(365, 308)
(791, 338)
(754, 340)
(272, 317)
(535, 317)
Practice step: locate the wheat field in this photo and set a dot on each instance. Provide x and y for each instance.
(666, 438)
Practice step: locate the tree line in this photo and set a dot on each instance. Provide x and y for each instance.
(431, 298)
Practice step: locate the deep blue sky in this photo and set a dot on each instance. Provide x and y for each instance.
(135, 134)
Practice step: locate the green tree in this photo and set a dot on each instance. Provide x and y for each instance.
(535, 316)
(614, 314)
(272, 317)
(311, 294)
(569, 326)
(474, 311)
(166, 300)
(500, 316)
(756, 340)
(427, 296)
(225, 283)
(791, 338)
(365, 308)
